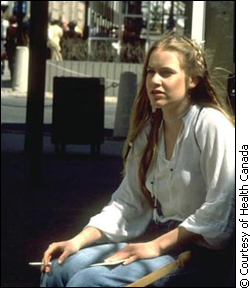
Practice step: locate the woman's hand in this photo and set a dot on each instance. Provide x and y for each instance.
(136, 251)
(64, 248)
(163, 244)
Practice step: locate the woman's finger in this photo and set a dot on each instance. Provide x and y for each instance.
(130, 260)
(122, 254)
(46, 266)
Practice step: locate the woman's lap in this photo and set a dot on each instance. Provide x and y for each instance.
(76, 271)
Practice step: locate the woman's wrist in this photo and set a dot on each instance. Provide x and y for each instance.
(163, 244)
(175, 238)
(88, 236)
(157, 247)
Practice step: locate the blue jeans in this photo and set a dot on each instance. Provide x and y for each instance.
(76, 270)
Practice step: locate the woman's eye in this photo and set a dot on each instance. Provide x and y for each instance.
(166, 74)
(163, 74)
(149, 71)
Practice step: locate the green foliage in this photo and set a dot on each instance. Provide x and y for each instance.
(101, 51)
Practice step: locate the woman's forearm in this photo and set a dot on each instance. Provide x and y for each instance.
(88, 236)
(175, 238)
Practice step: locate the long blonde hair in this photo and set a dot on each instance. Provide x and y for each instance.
(192, 60)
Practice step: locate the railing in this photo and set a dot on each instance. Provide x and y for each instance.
(109, 71)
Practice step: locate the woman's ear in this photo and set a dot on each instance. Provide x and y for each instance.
(193, 82)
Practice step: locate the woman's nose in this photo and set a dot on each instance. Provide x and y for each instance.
(156, 78)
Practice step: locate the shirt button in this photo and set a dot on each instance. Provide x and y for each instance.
(171, 169)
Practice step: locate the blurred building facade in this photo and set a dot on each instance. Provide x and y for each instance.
(144, 22)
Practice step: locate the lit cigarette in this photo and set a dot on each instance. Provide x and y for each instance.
(38, 263)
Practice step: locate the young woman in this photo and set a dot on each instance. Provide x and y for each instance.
(178, 186)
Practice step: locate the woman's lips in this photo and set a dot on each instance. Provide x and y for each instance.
(157, 93)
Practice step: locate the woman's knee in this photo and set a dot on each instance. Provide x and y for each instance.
(55, 278)
(60, 274)
(93, 277)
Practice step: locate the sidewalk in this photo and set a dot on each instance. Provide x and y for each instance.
(13, 108)
(74, 187)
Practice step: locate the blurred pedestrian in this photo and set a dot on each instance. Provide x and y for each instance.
(4, 26)
(73, 30)
(55, 33)
(178, 190)
(11, 43)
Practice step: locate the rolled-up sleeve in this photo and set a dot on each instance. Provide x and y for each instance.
(215, 219)
(128, 213)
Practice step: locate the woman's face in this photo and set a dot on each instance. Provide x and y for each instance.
(166, 82)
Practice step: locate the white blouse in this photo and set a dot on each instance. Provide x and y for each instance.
(196, 186)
